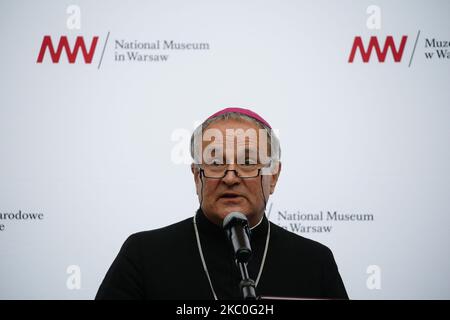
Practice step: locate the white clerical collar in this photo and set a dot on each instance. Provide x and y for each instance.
(262, 218)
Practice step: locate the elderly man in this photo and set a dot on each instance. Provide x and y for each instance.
(236, 168)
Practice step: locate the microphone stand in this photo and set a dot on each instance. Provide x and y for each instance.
(247, 285)
(236, 226)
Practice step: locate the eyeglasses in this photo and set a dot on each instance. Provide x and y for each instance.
(219, 171)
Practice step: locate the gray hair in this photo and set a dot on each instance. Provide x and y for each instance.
(196, 138)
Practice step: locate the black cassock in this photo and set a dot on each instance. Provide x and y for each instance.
(166, 264)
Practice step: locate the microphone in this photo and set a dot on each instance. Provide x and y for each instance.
(236, 226)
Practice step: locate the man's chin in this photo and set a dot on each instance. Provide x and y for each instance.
(228, 209)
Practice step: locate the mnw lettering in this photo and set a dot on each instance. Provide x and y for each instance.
(389, 45)
(47, 45)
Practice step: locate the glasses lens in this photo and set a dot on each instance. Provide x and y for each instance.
(243, 171)
(248, 170)
(214, 170)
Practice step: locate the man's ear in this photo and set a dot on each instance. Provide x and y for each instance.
(274, 178)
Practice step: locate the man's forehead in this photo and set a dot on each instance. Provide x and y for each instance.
(246, 143)
(240, 136)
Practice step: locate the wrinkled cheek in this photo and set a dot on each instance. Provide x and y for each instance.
(257, 193)
(210, 188)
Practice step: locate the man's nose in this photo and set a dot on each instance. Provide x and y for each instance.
(231, 175)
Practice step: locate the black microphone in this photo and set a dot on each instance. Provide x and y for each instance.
(236, 226)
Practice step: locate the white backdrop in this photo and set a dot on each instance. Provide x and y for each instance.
(99, 149)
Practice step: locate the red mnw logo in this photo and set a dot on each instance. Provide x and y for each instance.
(373, 43)
(64, 45)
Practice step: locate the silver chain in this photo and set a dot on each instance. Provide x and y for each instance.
(206, 268)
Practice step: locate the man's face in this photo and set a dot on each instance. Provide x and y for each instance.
(232, 193)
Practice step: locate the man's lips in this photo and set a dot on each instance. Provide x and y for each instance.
(230, 195)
